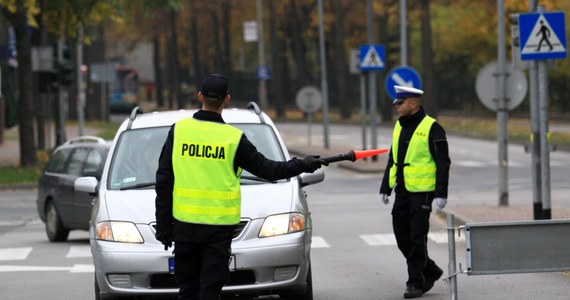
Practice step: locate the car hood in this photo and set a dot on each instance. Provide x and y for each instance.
(258, 201)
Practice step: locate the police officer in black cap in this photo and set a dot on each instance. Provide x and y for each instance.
(418, 171)
(188, 190)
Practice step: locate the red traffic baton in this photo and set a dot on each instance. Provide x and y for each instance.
(355, 155)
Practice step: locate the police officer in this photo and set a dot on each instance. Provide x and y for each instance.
(203, 234)
(418, 171)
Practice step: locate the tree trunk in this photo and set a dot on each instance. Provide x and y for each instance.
(197, 65)
(157, 71)
(28, 156)
(298, 44)
(276, 92)
(227, 62)
(174, 69)
(429, 99)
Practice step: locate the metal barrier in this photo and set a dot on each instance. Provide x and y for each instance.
(511, 247)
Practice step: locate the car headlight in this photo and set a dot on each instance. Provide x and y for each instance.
(125, 232)
(282, 224)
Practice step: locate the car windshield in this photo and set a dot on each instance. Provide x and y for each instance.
(135, 158)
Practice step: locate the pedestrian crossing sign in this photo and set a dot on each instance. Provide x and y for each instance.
(542, 35)
(371, 57)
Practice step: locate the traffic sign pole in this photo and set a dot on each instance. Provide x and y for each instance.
(535, 135)
(502, 113)
(544, 143)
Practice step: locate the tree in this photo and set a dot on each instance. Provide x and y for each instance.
(19, 14)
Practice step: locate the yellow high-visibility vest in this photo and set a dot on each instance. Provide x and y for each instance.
(419, 167)
(206, 188)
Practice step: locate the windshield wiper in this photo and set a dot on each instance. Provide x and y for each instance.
(255, 178)
(138, 186)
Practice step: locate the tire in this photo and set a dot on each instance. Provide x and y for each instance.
(55, 230)
(307, 294)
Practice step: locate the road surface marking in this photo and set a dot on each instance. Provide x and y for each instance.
(14, 253)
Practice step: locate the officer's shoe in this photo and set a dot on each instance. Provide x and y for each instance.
(413, 292)
(431, 278)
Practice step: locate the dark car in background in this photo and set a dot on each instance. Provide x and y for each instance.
(59, 206)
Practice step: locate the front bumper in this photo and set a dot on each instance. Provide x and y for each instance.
(262, 265)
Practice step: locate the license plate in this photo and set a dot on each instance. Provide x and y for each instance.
(171, 265)
(231, 264)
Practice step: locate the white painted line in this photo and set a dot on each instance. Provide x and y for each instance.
(79, 251)
(12, 223)
(385, 239)
(14, 253)
(319, 242)
(469, 163)
(31, 269)
(441, 237)
(82, 269)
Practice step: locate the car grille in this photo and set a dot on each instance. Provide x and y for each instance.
(237, 231)
(165, 281)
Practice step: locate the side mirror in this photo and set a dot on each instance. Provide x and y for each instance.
(86, 184)
(312, 178)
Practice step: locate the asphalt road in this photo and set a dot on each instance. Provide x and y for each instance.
(353, 255)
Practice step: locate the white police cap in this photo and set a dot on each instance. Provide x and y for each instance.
(403, 92)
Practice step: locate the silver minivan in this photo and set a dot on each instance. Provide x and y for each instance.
(271, 249)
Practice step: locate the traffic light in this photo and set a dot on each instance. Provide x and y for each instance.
(515, 40)
(66, 67)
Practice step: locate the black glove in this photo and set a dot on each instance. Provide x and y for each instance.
(165, 239)
(312, 162)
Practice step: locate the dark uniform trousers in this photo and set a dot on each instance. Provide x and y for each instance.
(410, 221)
(201, 268)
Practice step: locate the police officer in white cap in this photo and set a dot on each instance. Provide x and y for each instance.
(418, 172)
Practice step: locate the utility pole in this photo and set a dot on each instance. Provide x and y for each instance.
(502, 112)
(324, 82)
(403, 33)
(372, 86)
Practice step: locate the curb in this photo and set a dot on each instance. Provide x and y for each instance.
(18, 186)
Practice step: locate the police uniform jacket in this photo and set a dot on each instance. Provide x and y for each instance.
(247, 157)
(437, 146)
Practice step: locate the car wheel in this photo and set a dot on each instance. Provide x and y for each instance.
(54, 227)
(307, 294)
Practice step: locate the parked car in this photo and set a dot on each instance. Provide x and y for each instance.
(271, 247)
(59, 206)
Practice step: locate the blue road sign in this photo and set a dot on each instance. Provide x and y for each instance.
(542, 35)
(372, 57)
(404, 76)
(263, 72)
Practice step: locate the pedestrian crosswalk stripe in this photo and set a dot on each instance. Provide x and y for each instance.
(386, 239)
(441, 237)
(319, 242)
(75, 269)
(79, 251)
(82, 269)
(14, 253)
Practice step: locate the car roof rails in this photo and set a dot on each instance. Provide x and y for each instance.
(253, 106)
(86, 139)
(134, 113)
